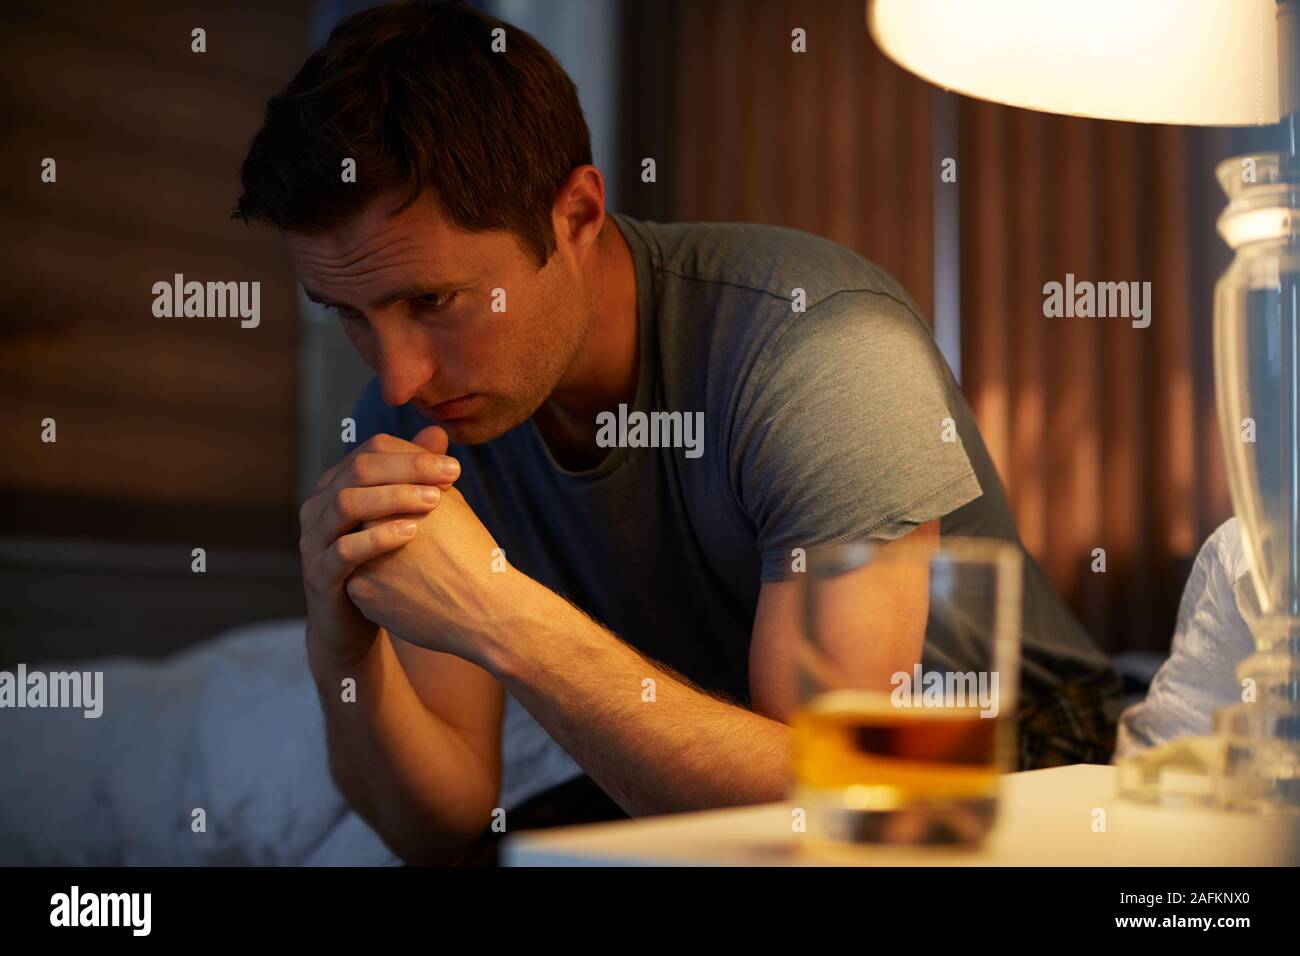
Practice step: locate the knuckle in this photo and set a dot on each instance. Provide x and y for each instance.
(345, 503)
(359, 588)
(359, 470)
(377, 535)
(343, 552)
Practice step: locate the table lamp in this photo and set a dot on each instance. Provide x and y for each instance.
(1187, 62)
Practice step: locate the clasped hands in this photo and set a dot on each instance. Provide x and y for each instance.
(387, 537)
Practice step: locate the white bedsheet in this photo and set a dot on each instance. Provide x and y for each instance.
(233, 727)
(1211, 637)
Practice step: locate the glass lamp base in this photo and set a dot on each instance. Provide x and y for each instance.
(1250, 762)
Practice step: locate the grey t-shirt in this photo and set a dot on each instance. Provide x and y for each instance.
(819, 425)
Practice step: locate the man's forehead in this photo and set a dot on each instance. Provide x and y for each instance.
(331, 253)
(378, 278)
(377, 230)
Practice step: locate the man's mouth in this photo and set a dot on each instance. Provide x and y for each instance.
(450, 409)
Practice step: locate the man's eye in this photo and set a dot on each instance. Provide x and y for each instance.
(434, 301)
(347, 315)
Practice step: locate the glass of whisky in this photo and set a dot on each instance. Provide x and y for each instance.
(908, 670)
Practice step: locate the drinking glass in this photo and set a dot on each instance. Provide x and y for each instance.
(908, 669)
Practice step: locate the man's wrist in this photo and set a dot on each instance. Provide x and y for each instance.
(327, 663)
(537, 617)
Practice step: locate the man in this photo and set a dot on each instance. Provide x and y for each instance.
(636, 600)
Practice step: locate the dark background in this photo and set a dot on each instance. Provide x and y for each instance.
(175, 434)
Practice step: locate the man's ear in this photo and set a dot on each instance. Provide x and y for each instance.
(434, 439)
(579, 208)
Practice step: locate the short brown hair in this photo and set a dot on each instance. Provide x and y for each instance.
(414, 94)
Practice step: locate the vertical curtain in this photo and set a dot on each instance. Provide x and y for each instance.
(835, 141)
(1103, 433)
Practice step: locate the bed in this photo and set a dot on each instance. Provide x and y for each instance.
(213, 756)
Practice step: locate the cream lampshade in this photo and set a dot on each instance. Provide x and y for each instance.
(1189, 62)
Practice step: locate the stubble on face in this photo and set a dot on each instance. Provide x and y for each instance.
(547, 333)
(511, 360)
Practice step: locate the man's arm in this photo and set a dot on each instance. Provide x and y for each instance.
(418, 753)
(685, 749)
(418, 758)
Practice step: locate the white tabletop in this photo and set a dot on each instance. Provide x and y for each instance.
(1046, 818)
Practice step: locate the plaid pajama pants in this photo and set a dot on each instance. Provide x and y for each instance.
(1073, 723)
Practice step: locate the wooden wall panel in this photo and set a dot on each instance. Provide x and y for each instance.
(153, 414)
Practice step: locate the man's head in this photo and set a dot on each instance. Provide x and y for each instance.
(473, 174)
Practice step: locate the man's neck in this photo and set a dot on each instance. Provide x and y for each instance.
(604, 372)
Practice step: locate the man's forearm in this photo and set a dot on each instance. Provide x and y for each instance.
(407, 773)
(653, 748)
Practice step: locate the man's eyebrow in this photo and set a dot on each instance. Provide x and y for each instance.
(317, 297)
(415, 290)
(411, 291)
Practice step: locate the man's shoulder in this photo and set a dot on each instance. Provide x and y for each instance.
(774, 262)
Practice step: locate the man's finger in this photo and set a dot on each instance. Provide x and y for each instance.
(373, 469)
(361, 506)
(434, 439)
(380, 468)
(375, 443)
(432, 468)
(351, 550)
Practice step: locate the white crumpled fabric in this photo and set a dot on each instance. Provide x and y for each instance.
(232, 726)
(1211, 637)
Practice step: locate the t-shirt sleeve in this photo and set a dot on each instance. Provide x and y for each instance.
(844, 429)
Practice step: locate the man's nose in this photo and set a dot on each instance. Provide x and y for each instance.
(404, 364)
